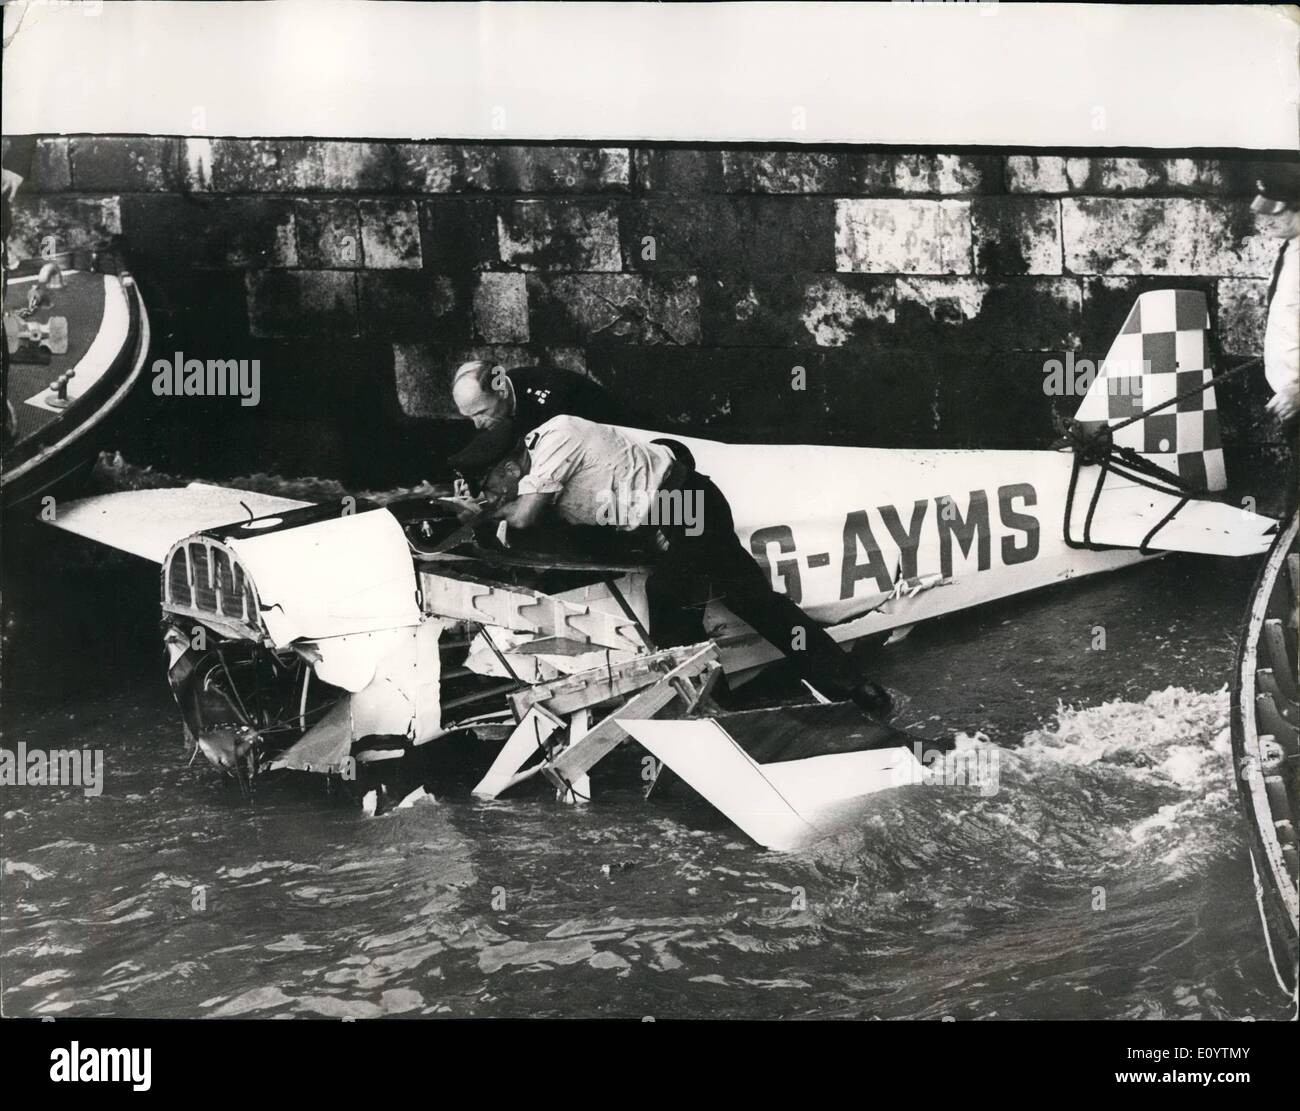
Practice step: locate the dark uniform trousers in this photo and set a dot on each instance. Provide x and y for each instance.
(678, 589)
(1291, 434)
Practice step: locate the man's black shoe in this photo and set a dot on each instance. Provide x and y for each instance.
(873, 700)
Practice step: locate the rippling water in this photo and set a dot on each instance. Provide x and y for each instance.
(1107, 878)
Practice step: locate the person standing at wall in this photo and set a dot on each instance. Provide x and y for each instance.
(1277, 214)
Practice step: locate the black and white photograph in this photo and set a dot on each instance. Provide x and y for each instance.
(736, 511)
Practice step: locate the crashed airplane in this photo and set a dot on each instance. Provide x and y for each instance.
(333, 637)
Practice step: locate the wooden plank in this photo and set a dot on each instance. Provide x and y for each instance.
(578, 791)
(568, 693)
(535, 728)
(579, 758)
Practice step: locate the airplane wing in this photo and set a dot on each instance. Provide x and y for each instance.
(785, 805)
(147, 523)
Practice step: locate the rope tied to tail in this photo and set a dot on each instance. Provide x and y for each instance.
(1093, 444)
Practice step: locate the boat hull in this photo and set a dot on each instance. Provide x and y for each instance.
(1264, 746)
(108, 342)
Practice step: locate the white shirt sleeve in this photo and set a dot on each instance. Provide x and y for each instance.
(554, 453)
(1282, 332)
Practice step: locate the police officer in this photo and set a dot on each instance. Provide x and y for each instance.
(577, 468)
(506, 404)
(1277, 214)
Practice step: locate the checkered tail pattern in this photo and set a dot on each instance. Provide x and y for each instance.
(1161, 353)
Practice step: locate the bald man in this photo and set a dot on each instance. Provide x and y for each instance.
(506, 404)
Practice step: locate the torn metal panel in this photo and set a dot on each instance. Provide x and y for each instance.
(326, 747)
(400, 698)
(343, 575)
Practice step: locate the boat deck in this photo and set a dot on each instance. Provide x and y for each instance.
(82, 303)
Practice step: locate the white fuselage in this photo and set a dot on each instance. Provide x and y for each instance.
(840, 529)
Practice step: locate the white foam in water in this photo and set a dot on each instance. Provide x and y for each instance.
(1176, 742)
(1177, 733)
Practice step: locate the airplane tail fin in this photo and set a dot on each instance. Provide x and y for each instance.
(1161, 353)
(1164, 447)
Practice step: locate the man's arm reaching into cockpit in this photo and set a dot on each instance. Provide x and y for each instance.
(521, 512)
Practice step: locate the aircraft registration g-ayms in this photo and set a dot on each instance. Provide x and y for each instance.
(334, 638)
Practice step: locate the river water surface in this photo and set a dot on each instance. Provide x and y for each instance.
(1107, 877)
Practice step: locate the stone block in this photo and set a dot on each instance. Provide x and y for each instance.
(456, 168)
(137, 164)
(731, 234)
(903, 236)
(1165, 236)
(51, 168)
(412, 305)
(614, 308)
(796, 310)
(501, 308)
(458, 235)
(559, 235)
(677, 170)
(301, 165)
(287, 303)
(390, 234)
(1016, 235)
(328, 234)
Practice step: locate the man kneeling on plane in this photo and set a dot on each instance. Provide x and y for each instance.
(597, 474)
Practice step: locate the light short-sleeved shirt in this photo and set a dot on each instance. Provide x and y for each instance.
(599, 474)
(1282, 332)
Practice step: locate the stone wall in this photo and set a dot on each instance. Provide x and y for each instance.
(921, 292)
